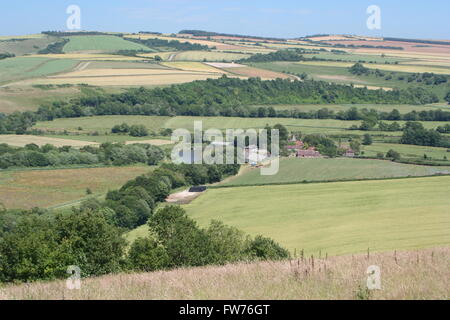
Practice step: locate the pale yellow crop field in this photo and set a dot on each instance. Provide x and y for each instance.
(126, 80)
(23, 140)
(386, 67)
(118, 72)
(192, 66)
(442, 63)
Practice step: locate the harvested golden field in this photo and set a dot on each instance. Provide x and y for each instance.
(46, 188)
(116, 79)
(386, 67)
(116, 72)
(192, 66)
(413, 275)
(255, 72)
(23, 140)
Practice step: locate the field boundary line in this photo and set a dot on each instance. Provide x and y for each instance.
(325, 181)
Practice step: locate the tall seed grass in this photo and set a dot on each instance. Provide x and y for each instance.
(404, 275)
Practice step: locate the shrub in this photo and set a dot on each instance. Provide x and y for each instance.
(147, 255)
(266, 249)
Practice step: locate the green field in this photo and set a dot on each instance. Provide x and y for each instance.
(337, 218)
(101, 44)
(30, 67)
(406, 151)
(294, 170)
(102, 124)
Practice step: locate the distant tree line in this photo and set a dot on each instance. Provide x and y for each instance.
(426, 78)
(445, 43)
(173, 44)
(55, 48)
(281, 55)
(200, 33)
(6, 55)
(109, 154)
(216, 97)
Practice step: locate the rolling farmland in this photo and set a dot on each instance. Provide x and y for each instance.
(337, 218)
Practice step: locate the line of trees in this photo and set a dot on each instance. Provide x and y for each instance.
(173, 44)
(6, 55)
(223, 97)
(109, 154)
(427, 78)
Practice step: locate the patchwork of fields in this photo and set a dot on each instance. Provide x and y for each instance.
(337, 218)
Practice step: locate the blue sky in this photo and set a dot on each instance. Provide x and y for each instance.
(281, 18)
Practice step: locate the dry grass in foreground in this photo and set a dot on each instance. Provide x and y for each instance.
(404, 275)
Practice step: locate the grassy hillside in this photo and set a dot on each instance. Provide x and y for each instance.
(413, 275)
(337, 218)
(101, 44)
(298, 170)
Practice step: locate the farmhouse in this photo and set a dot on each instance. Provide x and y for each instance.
(299, 145)
(309, 153)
